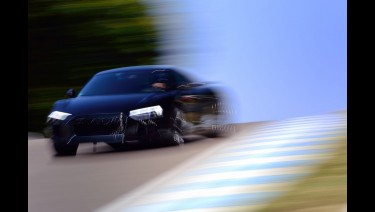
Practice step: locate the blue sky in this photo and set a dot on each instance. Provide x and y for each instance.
(279, 58)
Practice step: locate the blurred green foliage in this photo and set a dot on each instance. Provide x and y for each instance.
(70, 40)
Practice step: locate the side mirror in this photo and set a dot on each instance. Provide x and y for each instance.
(71, 93)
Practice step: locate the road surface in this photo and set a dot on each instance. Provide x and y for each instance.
(93, 179)
(239, 173)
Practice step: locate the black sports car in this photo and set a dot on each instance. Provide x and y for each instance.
(140, 104)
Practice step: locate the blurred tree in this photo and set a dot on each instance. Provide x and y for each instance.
(70, 40)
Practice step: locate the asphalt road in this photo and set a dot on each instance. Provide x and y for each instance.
(92, 179)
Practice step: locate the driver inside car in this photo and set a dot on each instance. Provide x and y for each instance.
(160, 81)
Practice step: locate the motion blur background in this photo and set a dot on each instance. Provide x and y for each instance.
(278, 58)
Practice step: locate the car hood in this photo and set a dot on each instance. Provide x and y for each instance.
(106, 104)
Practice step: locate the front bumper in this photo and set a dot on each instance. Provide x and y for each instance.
(108, 128)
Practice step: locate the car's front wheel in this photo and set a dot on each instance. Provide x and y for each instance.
(174, 137)
(63, 149)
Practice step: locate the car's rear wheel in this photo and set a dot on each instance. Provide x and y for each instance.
(218, 123)
(65, 149)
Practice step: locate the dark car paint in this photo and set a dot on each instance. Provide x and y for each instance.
(119, 106)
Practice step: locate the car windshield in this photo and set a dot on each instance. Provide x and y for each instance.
(118, 83)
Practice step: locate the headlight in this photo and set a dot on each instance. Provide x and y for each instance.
(57, 115)
(146, 113)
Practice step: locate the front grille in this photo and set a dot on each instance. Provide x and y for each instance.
(98, 124)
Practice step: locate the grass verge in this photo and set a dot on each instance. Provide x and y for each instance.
(325, 190)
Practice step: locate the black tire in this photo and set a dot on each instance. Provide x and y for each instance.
(65, 149)
(174, 136)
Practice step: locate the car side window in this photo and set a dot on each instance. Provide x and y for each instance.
(181, 80)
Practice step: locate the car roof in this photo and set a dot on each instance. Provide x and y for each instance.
(135, 68)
